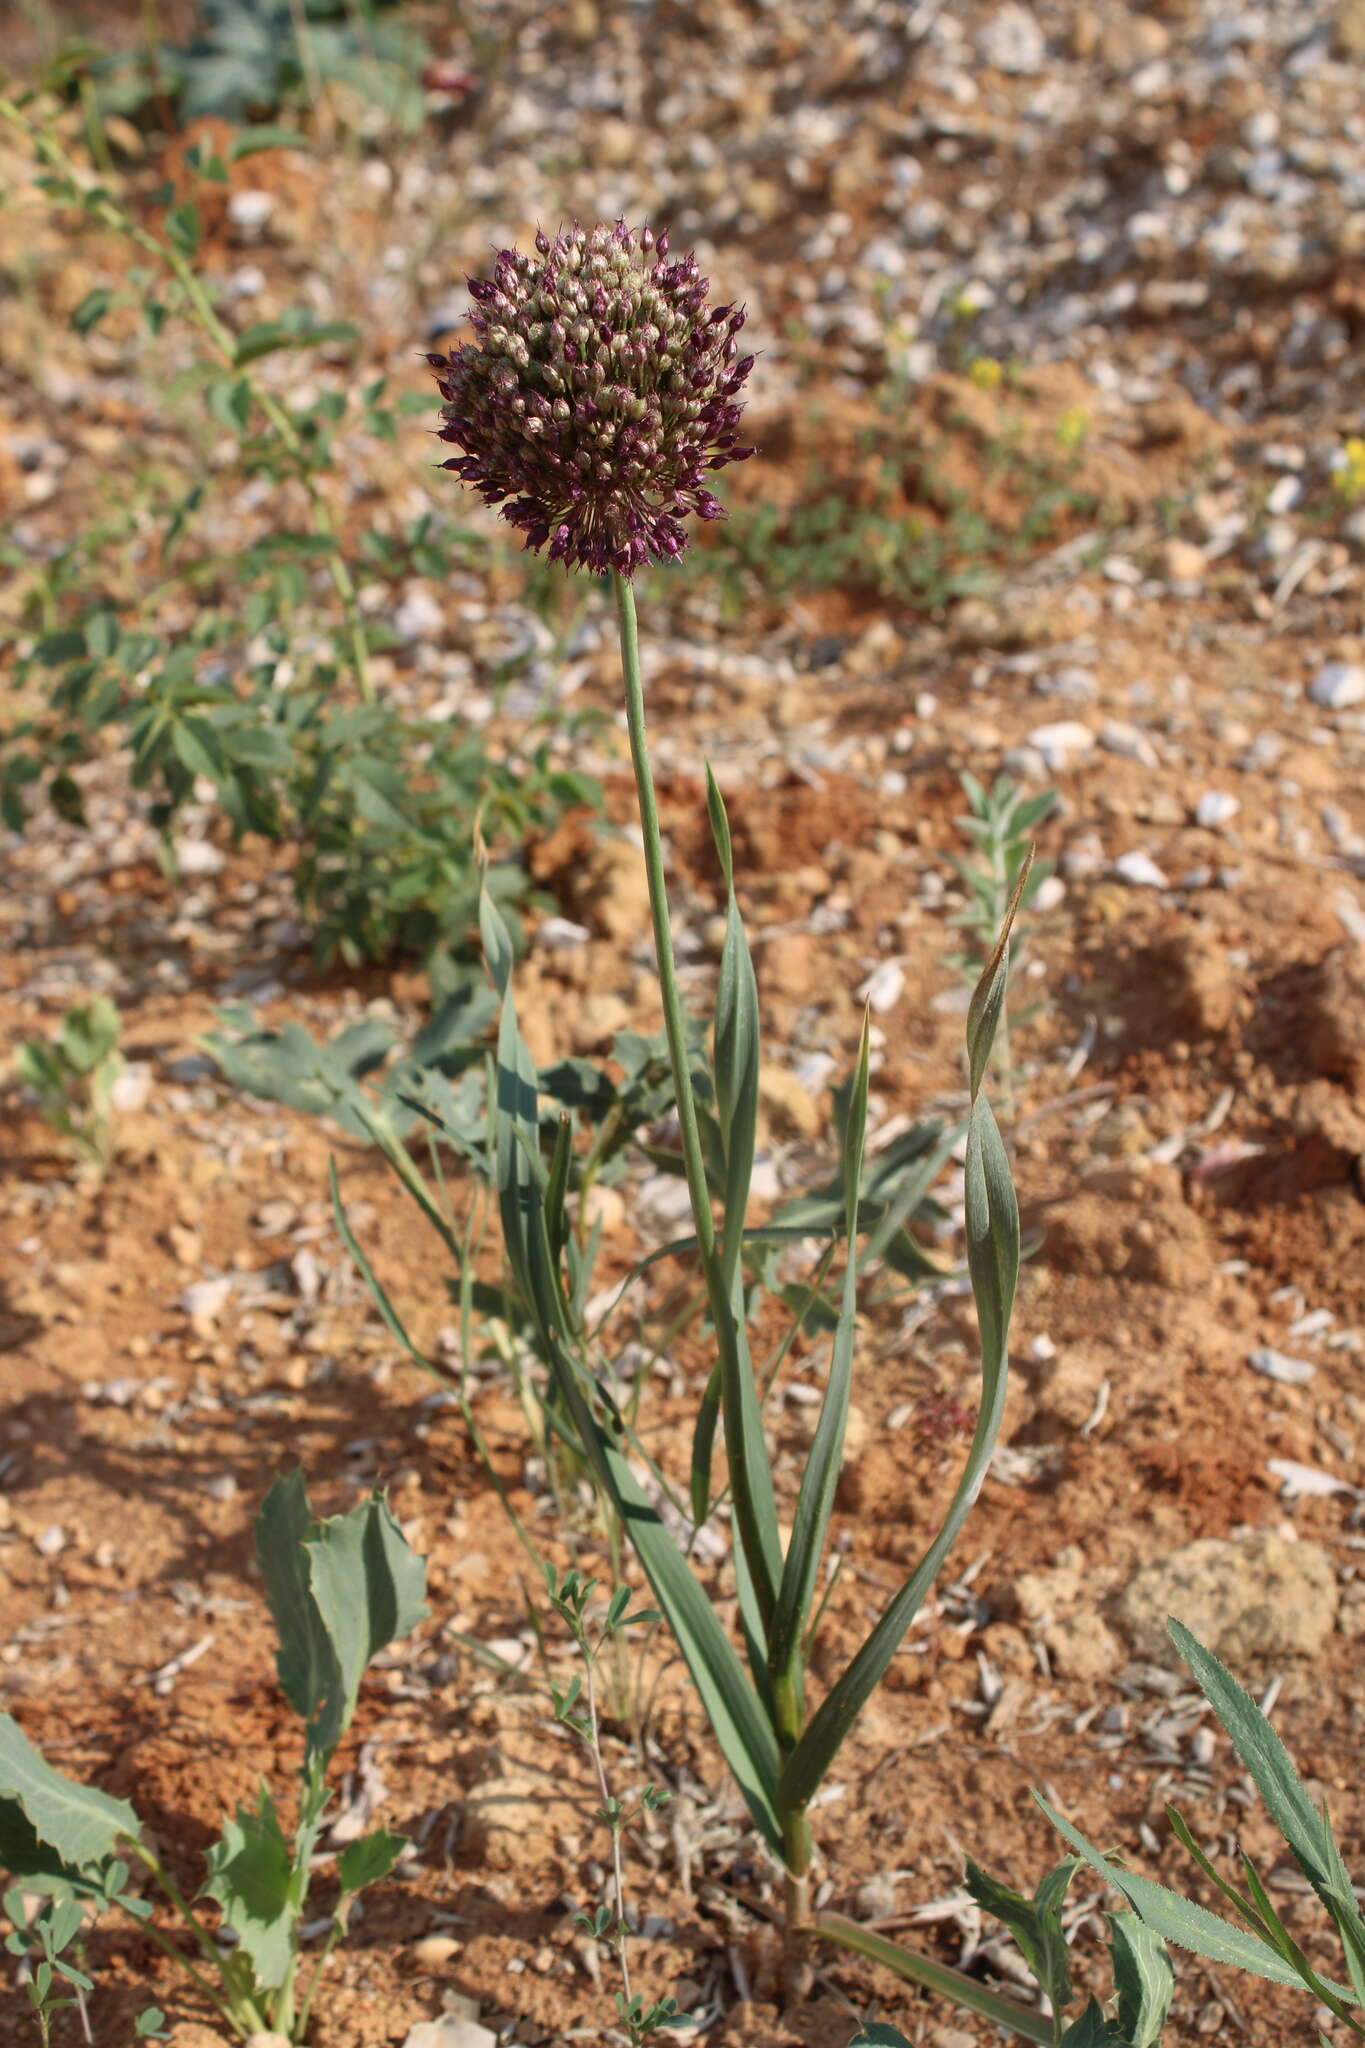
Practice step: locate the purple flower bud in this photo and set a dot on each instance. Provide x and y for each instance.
(598, 391)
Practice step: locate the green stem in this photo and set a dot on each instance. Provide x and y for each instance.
(334, 1934)
(725, 1310)
(694, 1163)
(937, 1977)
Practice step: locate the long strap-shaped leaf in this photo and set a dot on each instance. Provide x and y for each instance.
(746, 1443)
(992, 1220)
(810, 1523)
(731, 1704)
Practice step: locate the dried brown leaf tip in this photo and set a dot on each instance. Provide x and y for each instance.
(596, 396)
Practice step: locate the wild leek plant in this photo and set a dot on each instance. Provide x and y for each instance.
(340, 1591)
(596, 394)
(1262, 1944)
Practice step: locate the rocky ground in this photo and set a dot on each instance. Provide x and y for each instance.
(1059, 310)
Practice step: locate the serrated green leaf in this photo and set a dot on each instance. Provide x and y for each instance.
(253, 1882)
(1179, 1920)
(366, 1861)
(80, 1825)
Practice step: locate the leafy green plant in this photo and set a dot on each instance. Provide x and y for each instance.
(43, 1940)
(1000, 823)
(340, 1591)
(576, 1708)
(268, 695)
(1261, 1944)
(73, 1077)
(246, 59)
(1141, 1969)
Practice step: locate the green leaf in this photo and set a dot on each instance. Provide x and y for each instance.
(1144, 1979)
(992, 1217)
(1268, 1761)
(988, 998)
(250, 141)
(264, 337)
(815, 1501)
(253, 1881)
(366, 1861)
(183, 227)
(1092, 2030)
(81, 1825)
(1036, 1927)
(940, 1978)
(1180, 1920)
(368, 1585)
(92, 309)
(876, 2034)
(391, 1318)
(731, 1705)
(305, 1662)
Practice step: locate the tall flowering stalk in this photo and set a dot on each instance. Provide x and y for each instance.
(597, 393)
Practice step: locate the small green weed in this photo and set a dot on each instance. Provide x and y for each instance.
(73, 1077)
(340, 1592)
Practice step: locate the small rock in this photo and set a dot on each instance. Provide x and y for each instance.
(52, 1541)
(792, 1110)
(1248, 1601)
(433, 1951)
(1338, 685)
(450, 2032)
(1141, 871)
(1062, 743)
(205, 1301)
(419, 616)
(250, 210)
(1068, 1386)
(606, 1206)
(1275, 1365)
(597, 1019)
(1183, 562)
(1132, 39)
(132, 1088)
(1216, 807)
(1011, 41)
(267, 2041)
(1083, 1646)
(199, 857)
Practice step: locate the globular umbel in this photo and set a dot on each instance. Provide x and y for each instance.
(598, 393)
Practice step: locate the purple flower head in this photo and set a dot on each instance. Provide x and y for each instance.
(596, 397)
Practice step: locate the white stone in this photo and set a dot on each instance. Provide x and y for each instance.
(1214, 808)
(450, 2032)
(1276, 1365)
(1141, 870)
(1338, 685)
(1012, 41)
(419, 616)
(251, 209)
(1061, 743)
